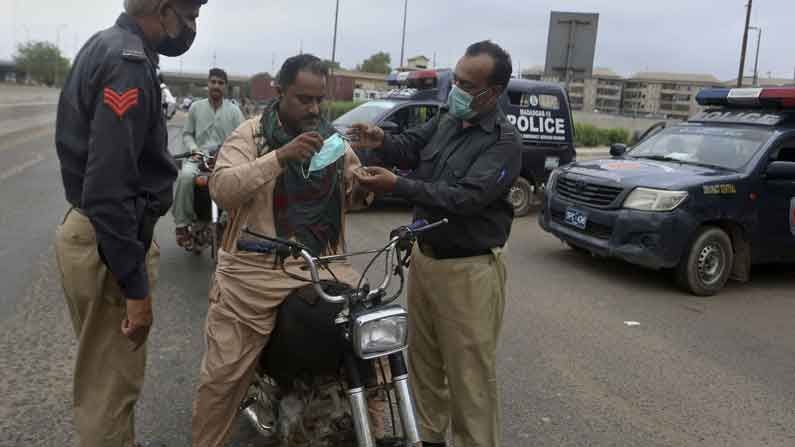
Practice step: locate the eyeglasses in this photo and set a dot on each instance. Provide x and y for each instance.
(469, 88)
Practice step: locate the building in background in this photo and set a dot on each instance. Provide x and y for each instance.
(669, 95)
(748, 81)
(599, 93)
(343, 86)
(263, 87)
(419, 63)
(8, 71)
(195, 84)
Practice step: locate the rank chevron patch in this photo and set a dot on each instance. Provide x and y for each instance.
(121, 103)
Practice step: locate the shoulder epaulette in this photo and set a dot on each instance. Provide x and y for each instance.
(134, 55)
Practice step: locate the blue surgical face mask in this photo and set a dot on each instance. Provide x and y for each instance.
(333, 148)
(460, 103)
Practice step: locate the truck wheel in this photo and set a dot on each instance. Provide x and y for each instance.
(708, 264)
(521, 196)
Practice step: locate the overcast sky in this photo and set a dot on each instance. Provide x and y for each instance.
(247, 36)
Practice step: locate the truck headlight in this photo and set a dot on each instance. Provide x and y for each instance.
(381, 332)
(552, 179)
(645, 199)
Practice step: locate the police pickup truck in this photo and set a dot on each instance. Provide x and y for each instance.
(707, 198)
(539, 111)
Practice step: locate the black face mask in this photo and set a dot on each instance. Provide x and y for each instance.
(177, 46)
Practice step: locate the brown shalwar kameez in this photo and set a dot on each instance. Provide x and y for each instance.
(248, 288)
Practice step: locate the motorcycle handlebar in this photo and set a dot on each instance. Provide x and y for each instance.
(201, 155)
(284, 248)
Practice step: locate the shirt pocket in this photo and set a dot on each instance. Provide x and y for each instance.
(456, 168)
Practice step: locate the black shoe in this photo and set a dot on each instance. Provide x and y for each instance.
(434, 444)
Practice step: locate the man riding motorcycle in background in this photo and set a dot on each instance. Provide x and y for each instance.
(209, 122)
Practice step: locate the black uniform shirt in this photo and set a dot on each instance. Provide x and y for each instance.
(113, 146)
(463, 174)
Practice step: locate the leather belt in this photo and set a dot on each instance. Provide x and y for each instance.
(451, 253)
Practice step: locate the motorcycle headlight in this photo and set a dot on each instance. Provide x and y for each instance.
(645, 199)
(381, 332)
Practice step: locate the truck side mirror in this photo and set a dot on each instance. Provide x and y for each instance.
(390, 127)
(781, 170)
(618, 149)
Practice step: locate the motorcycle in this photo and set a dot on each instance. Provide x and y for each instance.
(210, 219)
(332, 345)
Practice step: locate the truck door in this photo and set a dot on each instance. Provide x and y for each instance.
(777, 209)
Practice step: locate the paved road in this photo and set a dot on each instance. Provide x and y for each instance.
(706, 372)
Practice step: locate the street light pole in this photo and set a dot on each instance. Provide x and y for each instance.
(756, 63)
(332, 78)
(403, 45)
(745, 44)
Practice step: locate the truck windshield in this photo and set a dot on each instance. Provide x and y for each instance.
(717, 146)
(365, 113)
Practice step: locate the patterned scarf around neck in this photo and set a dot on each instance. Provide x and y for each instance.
(306, 209)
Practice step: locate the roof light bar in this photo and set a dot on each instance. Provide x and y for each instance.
(782, 97)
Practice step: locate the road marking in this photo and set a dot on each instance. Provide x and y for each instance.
(632, 323)
(16, 170)
(28, 104)
(14, 142)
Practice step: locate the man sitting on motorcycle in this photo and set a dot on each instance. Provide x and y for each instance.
(209, 122)
(269, 179)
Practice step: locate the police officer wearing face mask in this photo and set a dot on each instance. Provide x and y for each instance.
(117, 172)
(464, 161)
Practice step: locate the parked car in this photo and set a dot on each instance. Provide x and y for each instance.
(707, 198)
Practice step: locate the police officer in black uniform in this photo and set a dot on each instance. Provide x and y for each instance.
(465, 161)
(117, 172)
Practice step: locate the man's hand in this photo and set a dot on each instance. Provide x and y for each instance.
(366, 136)
(302, 148)
(375, 179)
(138, 322)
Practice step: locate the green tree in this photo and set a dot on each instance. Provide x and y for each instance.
(377, 63)
(42, 62)
(335, 65)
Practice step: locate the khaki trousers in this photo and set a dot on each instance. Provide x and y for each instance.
(456, 310)
(108, 376)
(233, 346)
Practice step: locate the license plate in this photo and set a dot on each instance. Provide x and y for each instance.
(551, 163)
(576, 218)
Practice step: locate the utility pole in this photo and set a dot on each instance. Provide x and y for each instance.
(27, 59)
(403, 45)
(215, 58)
(14, 26)
(745, 44)
(332, 78)
(756, 63)
(57, 54)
